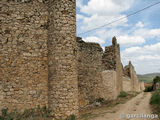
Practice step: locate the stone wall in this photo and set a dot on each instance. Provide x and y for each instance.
(41, 63)
(127, 84)
(109, 82)
(1, 96)
(99, 74)
(130, 72)
(142, 87)
(38, 64)
(23, 54)
(62, 58)
(112, 61)
(89, 71)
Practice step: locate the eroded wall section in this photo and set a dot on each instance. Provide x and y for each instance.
(130, 72)
(99, 73)
(112, 61)
(89, 71)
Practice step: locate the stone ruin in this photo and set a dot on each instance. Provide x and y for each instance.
(130, 79)
(42, 62)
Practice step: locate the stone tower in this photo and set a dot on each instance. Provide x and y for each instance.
(38, 55)
(62, 59)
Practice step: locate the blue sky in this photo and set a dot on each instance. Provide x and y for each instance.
(138, 35)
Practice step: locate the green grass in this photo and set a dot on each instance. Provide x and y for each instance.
(155, 99)
(72, 117)
(123, 94)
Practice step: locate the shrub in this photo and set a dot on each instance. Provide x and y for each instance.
(148, 89)
(100, 100)
(28, 114)
(156, 79)
(123, 94)
(155, 99)
(71, 117)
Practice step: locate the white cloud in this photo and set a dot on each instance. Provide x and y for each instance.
(131, 50)
(146, 59)
(147, 33)
(96, 21)
(130, 40)
(100, 12)
(140, 24)
(79, 3)
(79, 16)
(154, 32)
(94, 39)
(106, 7)
(107, 34)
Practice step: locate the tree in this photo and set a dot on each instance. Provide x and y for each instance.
(156, 79)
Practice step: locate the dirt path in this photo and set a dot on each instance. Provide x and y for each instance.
(137, 105)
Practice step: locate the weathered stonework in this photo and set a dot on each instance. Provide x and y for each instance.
(109, 85)
(62, 58)
(112, 61)
(89, 71)
(38, 55)
(23, 54)
(42, 63)
(142, 87)
(99, 74)
(130, 72)
(127, 84)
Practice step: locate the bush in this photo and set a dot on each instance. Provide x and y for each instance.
(155, 99)
(71, 117)
(156, 79)
(100, 100)
(28, 114)
(148, 89)
(123, 94)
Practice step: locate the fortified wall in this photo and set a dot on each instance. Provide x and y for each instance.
(42, 63)
(111, 60)
(89, 71)
(38, 62)
(131, 79)
(23, 54)
(99, 73)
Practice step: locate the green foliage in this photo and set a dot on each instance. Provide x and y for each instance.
(100, 100)
(71, 117)
(123, 94)
(28, 114)
(156, 79)
(148, 89)
(155, 99)
(4, 112)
